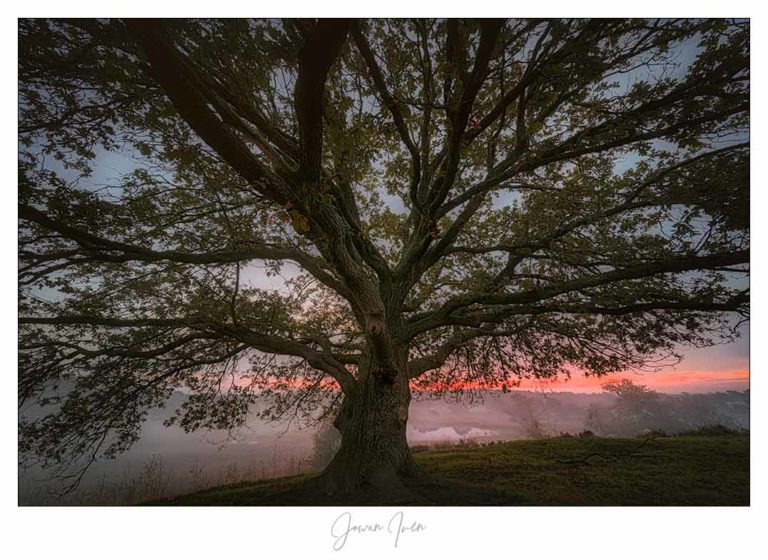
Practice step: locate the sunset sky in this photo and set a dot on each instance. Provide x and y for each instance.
(703, 370)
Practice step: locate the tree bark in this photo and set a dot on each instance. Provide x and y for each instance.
(374, 452)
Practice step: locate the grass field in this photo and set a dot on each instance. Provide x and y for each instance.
(681, 470)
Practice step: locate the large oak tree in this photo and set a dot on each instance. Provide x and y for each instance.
(456, 204)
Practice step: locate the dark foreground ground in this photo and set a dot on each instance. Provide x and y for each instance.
(685, 470)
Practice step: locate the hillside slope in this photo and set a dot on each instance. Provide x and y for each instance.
(684, 470)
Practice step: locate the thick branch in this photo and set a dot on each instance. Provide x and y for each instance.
(182, 85)
(442, 316)
(100, 248)
(436, 360)
(203, 329)
(322, 44)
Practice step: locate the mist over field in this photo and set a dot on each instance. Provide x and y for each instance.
(166, 461)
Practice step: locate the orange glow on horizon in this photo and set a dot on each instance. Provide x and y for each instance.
(666, 381)
(672, 382)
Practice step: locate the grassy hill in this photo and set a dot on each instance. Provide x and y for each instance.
(680, 470)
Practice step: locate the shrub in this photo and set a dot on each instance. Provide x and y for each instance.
(713, 430)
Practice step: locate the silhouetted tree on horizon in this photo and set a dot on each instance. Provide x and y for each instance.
(638, 409)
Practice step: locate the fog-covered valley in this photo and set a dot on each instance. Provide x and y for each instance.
(168, 461)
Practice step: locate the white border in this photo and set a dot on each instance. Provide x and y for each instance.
(205, 533)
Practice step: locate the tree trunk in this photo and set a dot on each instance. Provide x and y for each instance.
(374, 452)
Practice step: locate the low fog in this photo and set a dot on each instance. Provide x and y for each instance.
(168, 461)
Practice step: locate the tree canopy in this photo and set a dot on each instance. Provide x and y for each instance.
(452, 203)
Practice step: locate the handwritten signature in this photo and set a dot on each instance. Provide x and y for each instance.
(397, 526)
